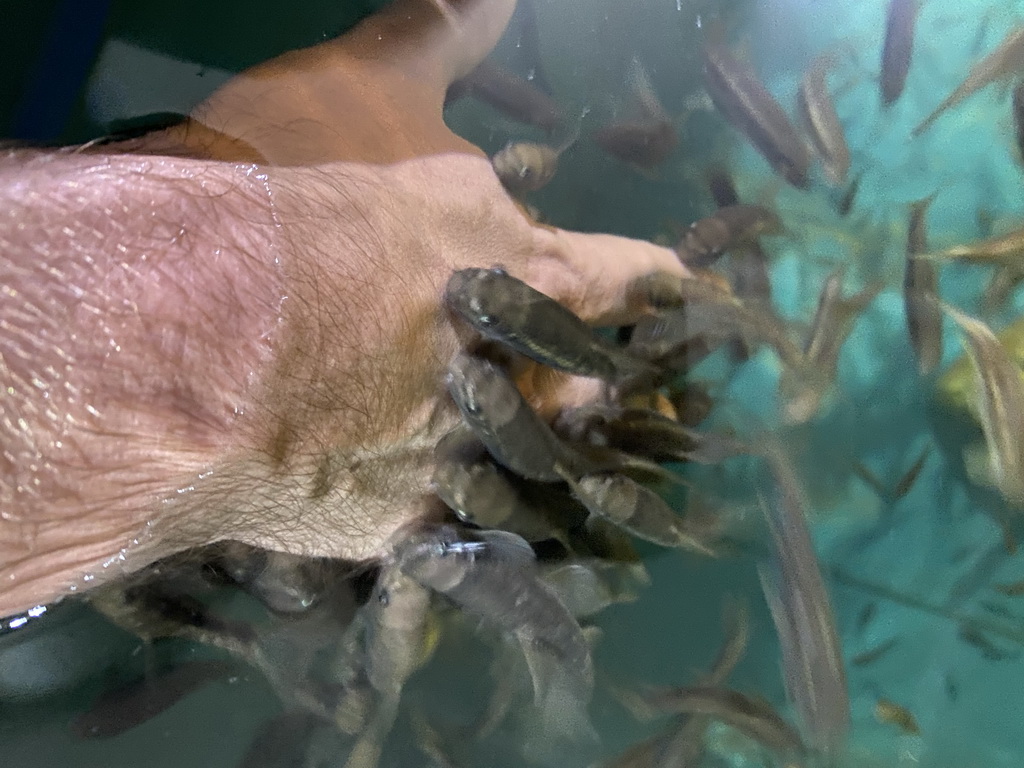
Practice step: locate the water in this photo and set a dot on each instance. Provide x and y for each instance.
(906, 576)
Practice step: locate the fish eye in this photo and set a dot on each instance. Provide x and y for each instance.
(384, 598)
(487, 319)
(525, 172)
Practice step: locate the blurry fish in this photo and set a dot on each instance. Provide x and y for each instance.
(727, 228)
(129, 706)
(1018, 118)
(812, 657)
(741, 98)
(821, 121)
(920, 291)
(645, 433)
(999, 251)
(1015, 589)
(481, 494)
(905, 483)
(805, 386)
(284, 583)
(1000, 389)
(898, 48)
(989, 650)
(503, 421)
(871, 655)
(508, 310)
(396, 644)
(636, 509)
(493, 574)
(846, 201)
(721, 186)
(511, 95)
(1005, 61)
(692, 403)
(526, 166)
(752, 716)
(887, 711)
(957, 386)
(648, 141)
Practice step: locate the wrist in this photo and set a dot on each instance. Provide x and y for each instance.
(143, 297)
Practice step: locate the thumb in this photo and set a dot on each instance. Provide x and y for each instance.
(434, 42)
(592, 274)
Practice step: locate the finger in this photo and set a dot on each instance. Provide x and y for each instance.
(592, 273)
(431, 42)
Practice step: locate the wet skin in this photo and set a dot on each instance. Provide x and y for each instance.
(233, 328)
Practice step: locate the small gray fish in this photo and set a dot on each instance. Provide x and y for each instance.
(1000, 389)
(898, 48)
(493, 574)
(805, 385)
(819, 116)
(507, 310)
(396, 644)
(727, 228)
(752, 716)
(129, 706)
(1018, 118)
(481, 494)
(648, 140)
(1005, 61)
(283, 582)
(739, 95)
(920, 291)
(636, 509)
(812, 657)
(871, 655)
(503, 421)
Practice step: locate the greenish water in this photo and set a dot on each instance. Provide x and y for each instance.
(910, 572)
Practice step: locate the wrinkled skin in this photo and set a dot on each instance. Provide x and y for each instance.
(327, 413)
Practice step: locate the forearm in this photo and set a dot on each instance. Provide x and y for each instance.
(141, 299)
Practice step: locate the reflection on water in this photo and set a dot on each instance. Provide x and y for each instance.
(906, 478)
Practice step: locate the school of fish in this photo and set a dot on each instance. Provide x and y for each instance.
(537, 520)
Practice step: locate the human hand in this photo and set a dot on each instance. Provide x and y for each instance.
(374, 203)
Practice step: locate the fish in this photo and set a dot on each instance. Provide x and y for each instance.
(731, 227)
(849, 196)
(647, 141)
(898, 48)
(805, 385)
(645, 433)
(481, 494)
(887, 711)
(989, 650)
(692, 403)
(920, 293)
(526, 166)
(1014, 589)
(514, 97)
(750, 715)
(818, 112)
(493, 575)
(1000, 389)
(905, 483)
(1000, 251)
(1018, 118)
(812, 657)
(871, 655)
(636, 509)
(284, 583)
(743, 100)
(397, 643)
(1005, 61)
(507, 310)
(513, 433)
(129, 706)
